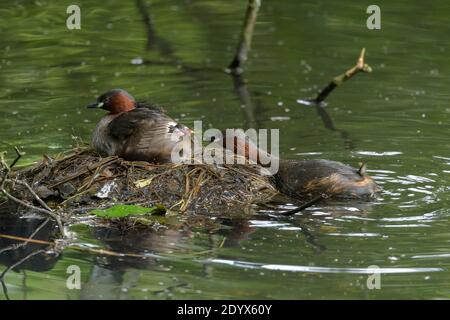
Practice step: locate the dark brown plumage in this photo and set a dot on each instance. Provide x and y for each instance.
(309, 178)
(136, 131)
(139, 131)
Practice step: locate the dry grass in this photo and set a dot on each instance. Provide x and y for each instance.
(75, 180)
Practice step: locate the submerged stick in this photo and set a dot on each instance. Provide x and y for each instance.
(22, 244)
(360, 66)
(245, 41)
(15, 265)
(305, 205)
(18, 263)
(74, 246)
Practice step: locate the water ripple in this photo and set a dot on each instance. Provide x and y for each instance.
(365, 234)
(309, 269)
(432, 256)
(379, 154)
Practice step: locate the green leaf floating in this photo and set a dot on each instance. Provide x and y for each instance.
(123, 211)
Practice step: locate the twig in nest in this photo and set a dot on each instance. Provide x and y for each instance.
(38, 199)
(195, 190)
(188, 193)
(19, 155)
(360, 66)
(105, 161)
(6, 168)
(46, 210)
(245, 41)
(50, 213)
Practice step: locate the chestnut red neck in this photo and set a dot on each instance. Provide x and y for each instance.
(115, 101)
(241, 144)
(120, 102)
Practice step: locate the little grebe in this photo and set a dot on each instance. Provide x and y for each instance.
(138, 131)
(305, 178)
(135, 131)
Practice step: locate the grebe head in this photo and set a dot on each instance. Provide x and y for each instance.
(115, 101)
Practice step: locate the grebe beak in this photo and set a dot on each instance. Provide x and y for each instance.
(95, 105)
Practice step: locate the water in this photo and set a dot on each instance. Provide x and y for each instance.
(396, 119)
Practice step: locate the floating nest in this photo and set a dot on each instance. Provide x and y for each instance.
(82, 180)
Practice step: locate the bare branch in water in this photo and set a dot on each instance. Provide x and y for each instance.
(45, 210)
(18, 263)
(360, 66)
(5, 168)
(30, 238)
(24, 242)
(5, 289)
(50, 213)
(245, 40)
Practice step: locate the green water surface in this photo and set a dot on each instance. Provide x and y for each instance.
(396, 119)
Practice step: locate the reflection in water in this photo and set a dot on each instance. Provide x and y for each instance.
(329, 124)
(112, 276)
(319, 101)
(291, 268)
(116, 276)
(19, 256)
(198, 245)
(398, 122)
(153, 41)
(245, 99)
